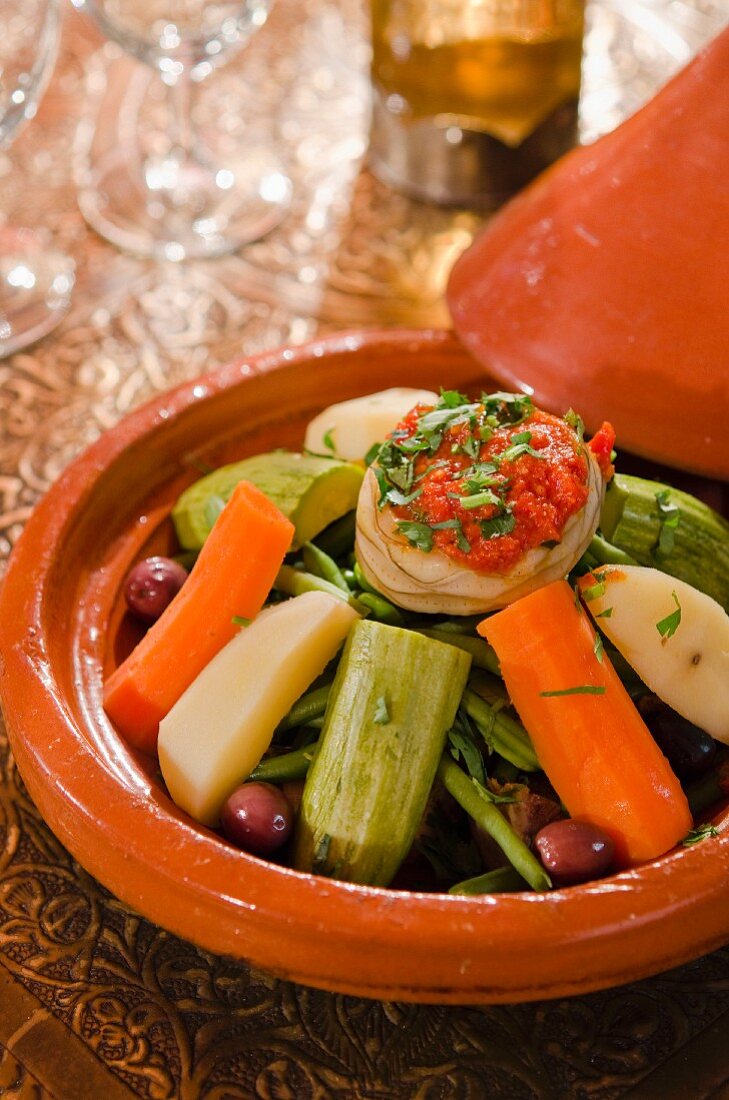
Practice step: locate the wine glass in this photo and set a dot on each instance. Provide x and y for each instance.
(35, 280)
(167, 194)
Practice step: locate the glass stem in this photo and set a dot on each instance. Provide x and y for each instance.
(182, 131)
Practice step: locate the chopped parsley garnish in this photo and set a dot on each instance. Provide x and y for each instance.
(462, 542)
(508, 408)
(451, 399)
(667, 627)
(382, 712)
(606, 614)
(397, 466)
(489, 796)
(327, 439)
(372, 454)
(576, 423)
(581, 689)
(517, 450)
(463, 746)
(240, 620)
(502, 524)
(598, 648)
(594, 592)
(482, 475)
(455, 525)
(395, 496)
(479, 500)
(670, 517)
(419, 535)
(698, 834)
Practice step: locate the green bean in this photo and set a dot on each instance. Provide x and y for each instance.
(586, 564)
(504, 734)
(489, 817)
(381, 609)
(464, 624)
(605, 553)
(481, 652)
(287, 766)
(362, 581)
(294, 581)
(504, 880)
(338, 538)
(311, 705)
(321, 565)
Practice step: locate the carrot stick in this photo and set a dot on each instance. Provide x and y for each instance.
(592, 743)
(232, 576)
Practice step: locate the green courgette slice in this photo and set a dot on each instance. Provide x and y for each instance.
(393, 700)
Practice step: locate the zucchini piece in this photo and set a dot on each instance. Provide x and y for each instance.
(311, 490)
(669, 530)
(393, 700)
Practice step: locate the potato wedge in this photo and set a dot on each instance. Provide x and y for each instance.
(353, 427)
(221, 726)
(675, 637)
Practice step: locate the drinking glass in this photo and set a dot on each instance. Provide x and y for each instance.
(35, 281)
(472, 98)
(169, 194)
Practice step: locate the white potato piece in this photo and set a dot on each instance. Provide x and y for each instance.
(435, 584)
(688, 665)
(355, 426)
(219, 729)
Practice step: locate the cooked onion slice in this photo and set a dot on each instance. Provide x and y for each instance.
(434, 583)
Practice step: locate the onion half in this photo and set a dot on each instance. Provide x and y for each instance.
(434, 584)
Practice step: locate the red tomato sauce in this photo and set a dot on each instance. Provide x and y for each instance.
(601, 445)
(541, 493)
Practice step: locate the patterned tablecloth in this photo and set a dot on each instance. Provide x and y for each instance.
(94, 1000)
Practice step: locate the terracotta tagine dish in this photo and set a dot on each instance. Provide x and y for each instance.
(64, 631)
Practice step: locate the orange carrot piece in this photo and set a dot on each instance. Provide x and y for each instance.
(232, 576)
(593, 745)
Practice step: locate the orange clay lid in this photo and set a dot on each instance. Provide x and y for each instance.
(604, 285)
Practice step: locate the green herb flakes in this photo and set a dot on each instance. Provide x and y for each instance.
(667, 627)
(699, 834)
(517, 450)
(479, 500)
(328, 441)
(593, 592)
(463, 747)
(489, 796)
(576, 423)
(581, 689)
(240, 620)
(502, 524)
(670, 517)
(372, 454)
(419, 535)
(382, 712)
(598, 648)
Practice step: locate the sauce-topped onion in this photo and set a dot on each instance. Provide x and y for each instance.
(470, 505)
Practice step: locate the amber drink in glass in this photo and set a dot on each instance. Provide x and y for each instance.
(472, 98)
